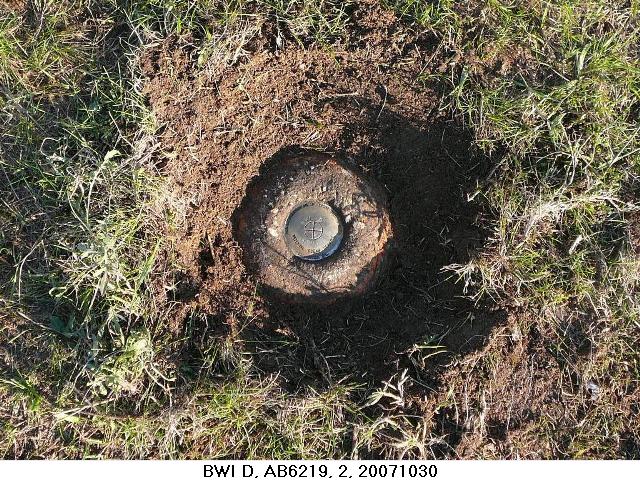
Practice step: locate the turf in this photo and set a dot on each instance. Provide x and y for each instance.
(549, 90)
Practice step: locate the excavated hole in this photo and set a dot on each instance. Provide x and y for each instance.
(227, 132)
(281, 262)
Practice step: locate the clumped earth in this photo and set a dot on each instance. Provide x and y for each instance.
(362, 101)
(504, 136)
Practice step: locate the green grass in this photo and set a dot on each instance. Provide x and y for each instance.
(566, 124)
(550, 91)
(82, 227)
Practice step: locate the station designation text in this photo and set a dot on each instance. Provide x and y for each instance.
(337, 470)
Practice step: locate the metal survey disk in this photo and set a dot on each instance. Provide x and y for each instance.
(313, 231)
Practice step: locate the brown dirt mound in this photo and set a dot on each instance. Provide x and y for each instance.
(363, 101)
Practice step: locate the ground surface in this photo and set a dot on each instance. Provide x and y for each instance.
(505, 136)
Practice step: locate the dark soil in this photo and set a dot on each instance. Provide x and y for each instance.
(364, 102)
(367, 237)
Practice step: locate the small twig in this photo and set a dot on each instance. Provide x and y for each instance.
(384, 103)
(210, 245)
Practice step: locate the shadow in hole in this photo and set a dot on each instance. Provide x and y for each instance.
(349, 194)
(427, 169)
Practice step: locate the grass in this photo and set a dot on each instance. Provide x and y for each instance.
(550, 91)
(564, 191)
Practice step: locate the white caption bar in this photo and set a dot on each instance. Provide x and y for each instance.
(330, 469)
